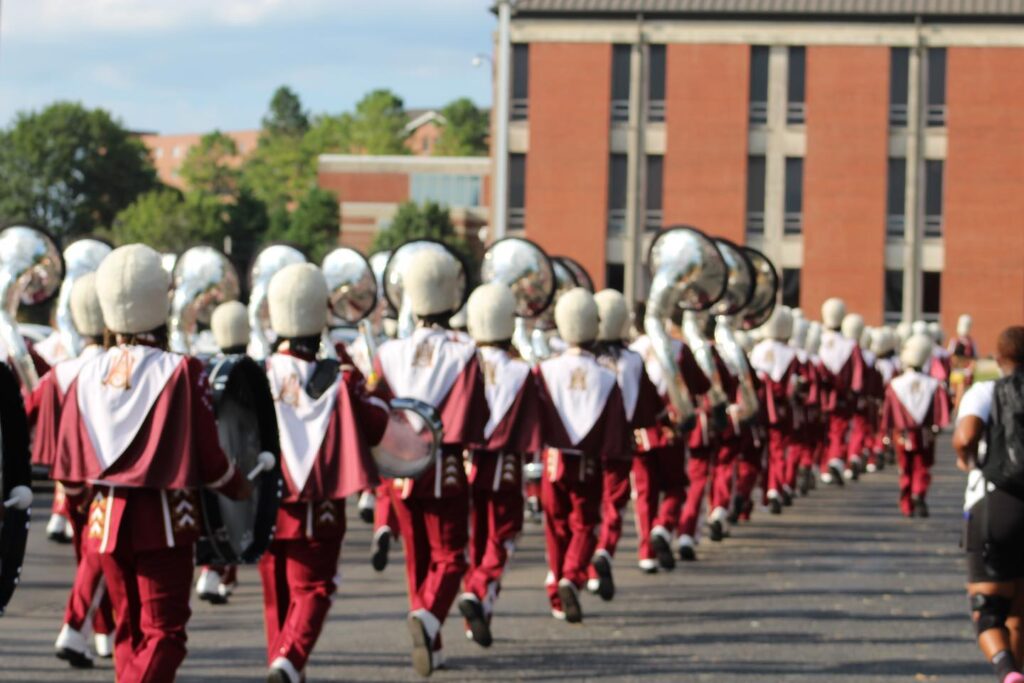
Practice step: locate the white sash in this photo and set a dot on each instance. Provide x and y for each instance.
(886, 368)
(503, 379)
(52, 349)
(835, 351)
(579, 388)
(628, 368)
(66, 371)
(303, 421)
(772, 358)
(915, 391)
(645, 348)
(117, 391)
(425, 365)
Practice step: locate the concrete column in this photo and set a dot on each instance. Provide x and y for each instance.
(636, 190)
(775, 152)
(913, 209)
(499, 188)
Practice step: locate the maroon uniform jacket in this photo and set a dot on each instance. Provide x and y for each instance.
(325, 445)
(914, 404)
(582, 414)
(778, 367)
(47, 401)
(438, 367)
(842, 371)
(642, 405)
(138, 424)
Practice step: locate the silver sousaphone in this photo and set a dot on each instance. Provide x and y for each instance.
(568, 275)
(738, 294)
(352, 295)
(267, 263)
(398, 264)
(766, 290)
(529, 273)
(31, 269)
(203, 279)
(688, 273)
(81, 257)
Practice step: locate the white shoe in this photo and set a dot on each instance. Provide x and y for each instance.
(687, 540)
(871, 468)
(282, 665)
(719, 514)
(208, 584)
(848, 474)
(103, 643)
(593, 585)
(73, 647)
(826, 477)
(558, 614)
(648, 566)
(423, 627)
(57, 528)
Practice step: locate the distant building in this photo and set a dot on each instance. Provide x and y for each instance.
(872, 149)
(169, 151)
(370, 188)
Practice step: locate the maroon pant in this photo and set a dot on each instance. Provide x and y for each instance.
(658, 473)
(749, 464)
(725, 469)
(778, 442)
(614, 496)
(860, 433)
(88, 592)
(384, 511)
(915, 474)
(838, 424)
(435, 535)
(298, 582)
(571, 498)
(713, 462)
(150, 592)
(496, 518)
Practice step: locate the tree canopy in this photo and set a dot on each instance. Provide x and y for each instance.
(429, 220)
(210, 167)
(312, 226)
(167, 220)
(285, 116)
(465, 130)
(378, 125)
(71, 169)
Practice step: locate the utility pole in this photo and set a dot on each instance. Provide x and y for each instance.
(499, 188)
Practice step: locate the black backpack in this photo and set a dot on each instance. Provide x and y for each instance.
(1004, 461)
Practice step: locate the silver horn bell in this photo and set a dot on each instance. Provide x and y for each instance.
(203, 279)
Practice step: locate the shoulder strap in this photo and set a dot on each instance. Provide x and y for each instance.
(324, 373)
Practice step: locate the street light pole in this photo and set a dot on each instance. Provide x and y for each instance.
(499, 188)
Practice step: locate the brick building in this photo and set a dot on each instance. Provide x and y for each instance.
(169, 151)
(874, 150)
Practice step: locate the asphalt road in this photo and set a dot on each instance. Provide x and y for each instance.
(839, 588)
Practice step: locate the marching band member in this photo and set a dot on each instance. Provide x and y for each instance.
(805, 390)
(963, 357)
(326, 423)
(777, 367)
(583, 426)
(915, 409)
(884, 344)
(230, 326)
(138, 424)
(659, 466)
(440, 368)
(842, 373)
(88, 596)
(643, 407)
(751, 448)
(496, 466)
(860, 418)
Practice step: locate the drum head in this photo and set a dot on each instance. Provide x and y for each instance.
(411, 439)
(238, 531)
(15, 470)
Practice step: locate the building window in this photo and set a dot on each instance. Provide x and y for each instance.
(936, 113)
(931, 295)
(425, 144)
(447, 189)
(516, 191)
(159, 153)
(794, 210)
(755, 195)
(791, 287)
(893, 296)
(621, 55)
(617, 190)
(795, 107)
(615, 276)
(758, 85)
(176, 152)
(520, 104)
(656, 83)
(899, 82)
(933, 198)
(895, 202)
(652, 215)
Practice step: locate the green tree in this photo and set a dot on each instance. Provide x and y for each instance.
(169, 221)
(312, 226)
(427, 221)
(279, 171)
(210, 165)
(71, 169)
(465, 130)
(378, 125)
(286, 116)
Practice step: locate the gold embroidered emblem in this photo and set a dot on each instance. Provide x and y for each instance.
(424, 355)
(915, 387)
(769, 357)
(578, 380)
(608, 363)
(490, 373)
(120, 374)
(290, 389)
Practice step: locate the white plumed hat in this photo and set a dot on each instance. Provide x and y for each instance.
(132, 286)
(430, 283)
(916, 351)
(780, 324)
(230, 325)
(576, 316)
(297, 300)
(86, 313)
(832, 313)
(613, 315)
(853, 326)
(490, 313)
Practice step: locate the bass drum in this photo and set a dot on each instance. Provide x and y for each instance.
(239, 531)
(15, 470)
(411, 441)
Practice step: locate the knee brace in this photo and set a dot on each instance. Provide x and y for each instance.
(991, 610)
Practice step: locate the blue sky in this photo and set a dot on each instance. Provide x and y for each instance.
(179, 66)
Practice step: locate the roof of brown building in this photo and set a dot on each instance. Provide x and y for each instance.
(948, 9)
